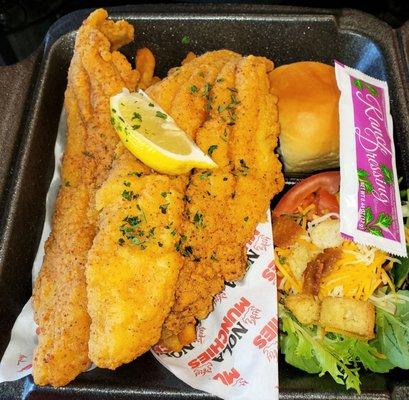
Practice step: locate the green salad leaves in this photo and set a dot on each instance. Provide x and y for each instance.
(306, 349)
(309, 349)
(400, 271)
(393, 331)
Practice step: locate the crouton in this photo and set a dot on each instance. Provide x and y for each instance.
(304, 307)
(298, 259)
(348, 316)
(285, 231)
(326, 234)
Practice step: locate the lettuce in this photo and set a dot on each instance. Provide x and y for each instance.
(393, 331)
(335, 354)
(400, 271)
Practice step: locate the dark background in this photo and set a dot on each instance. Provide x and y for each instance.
(23, 23)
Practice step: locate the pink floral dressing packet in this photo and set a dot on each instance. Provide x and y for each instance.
(370, 206)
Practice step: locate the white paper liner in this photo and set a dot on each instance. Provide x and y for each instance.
(251, 371)
(243, 328)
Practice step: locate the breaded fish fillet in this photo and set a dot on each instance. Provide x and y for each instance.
(134, 262)
(132, 266)
(225, 205)
(96, 72)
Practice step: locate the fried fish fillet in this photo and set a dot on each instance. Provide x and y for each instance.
(132, 266)
(97, 71)
(134, 263)
(225, 205)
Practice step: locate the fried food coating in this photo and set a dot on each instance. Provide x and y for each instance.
(223, 206)
(146, 281)
(134, 262)
(96, 72)
(132, 266)
(145, 65)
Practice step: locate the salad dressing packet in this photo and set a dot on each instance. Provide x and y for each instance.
(370, 208)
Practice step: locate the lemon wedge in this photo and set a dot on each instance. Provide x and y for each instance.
(153, 136)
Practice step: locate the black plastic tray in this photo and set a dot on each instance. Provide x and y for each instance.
(31, 98)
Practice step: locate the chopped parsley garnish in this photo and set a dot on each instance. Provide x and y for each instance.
(187, 251)
(160, 244)
(178, 244)
(173, 233)
(205, 175)
(151, 232)
(136, 240)
(169, 225)
(218, 80)
(244, 167)
(67, 184)
(213, 256)
(164, 194)
(282, 259)
(198, 220)
(201, 74)
(224, 136)
(137, 174)
(160, 114)
(243, 170)
(164, 208)
(186, 198)
(133, 220)
(88, 154)
(225, 178)
(135, 127)
(113, 110)
(246, 219)
(130, 231)
(193, 89)
(234, 100)
(211, 149)
(136, 115)
(185, 40)
(128, 195)
(207, 88)
(127, 183)
(221, 108)
(151, 105)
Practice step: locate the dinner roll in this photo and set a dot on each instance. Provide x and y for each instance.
(308, 112)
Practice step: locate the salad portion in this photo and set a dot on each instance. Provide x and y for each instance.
(343, 306)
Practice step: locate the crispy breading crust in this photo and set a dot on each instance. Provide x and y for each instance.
(59, 296)
(131, 286)
(239, 116)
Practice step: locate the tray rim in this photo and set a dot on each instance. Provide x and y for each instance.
(117, 12)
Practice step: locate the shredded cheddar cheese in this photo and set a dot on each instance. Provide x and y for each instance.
(305, 215)
(290, 282)
(359, 272)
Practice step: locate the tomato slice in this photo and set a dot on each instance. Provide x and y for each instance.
(319, 189)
